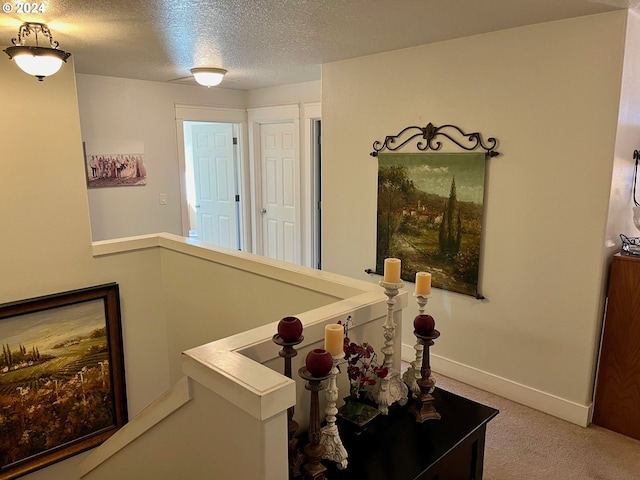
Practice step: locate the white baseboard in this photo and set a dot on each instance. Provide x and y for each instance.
(531, 397)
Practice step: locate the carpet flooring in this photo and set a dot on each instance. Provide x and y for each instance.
(523, 443)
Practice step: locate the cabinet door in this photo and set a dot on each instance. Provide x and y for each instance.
(618, 386)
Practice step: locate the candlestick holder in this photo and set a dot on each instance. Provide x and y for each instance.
(295, 456)
(423, 408)
(412, 374)
(314, 450)
(330, 439)
(390, 389)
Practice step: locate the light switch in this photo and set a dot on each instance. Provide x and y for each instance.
(163, 199)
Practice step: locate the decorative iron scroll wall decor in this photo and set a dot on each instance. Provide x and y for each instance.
(430, 205)
(429, 136)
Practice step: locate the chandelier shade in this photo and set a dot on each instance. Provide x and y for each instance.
(209, 77)
(36, 61)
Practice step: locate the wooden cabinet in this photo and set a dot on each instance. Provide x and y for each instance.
(617, 399)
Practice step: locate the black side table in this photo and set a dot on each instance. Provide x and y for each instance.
(396, 447)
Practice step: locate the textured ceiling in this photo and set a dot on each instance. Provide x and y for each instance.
(267, 42)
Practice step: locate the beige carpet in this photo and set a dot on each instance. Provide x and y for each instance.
(523, 443)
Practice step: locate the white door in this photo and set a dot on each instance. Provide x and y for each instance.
(215, 184)
(280, 232)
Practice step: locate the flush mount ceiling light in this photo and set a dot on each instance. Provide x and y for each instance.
(209, 77)
(36, 60)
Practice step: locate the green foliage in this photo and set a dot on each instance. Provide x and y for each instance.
(20, 357)
(395, 190)
(467, 262)
(451, 226)
(427, 231)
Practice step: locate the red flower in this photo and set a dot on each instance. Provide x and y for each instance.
(362, 367)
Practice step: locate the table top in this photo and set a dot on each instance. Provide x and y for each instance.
(395, 446)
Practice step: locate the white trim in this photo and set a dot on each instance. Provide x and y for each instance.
(205, 113)
(202, 113)
(224, 367)
(246, 193)
(312, 110)
(256, 118)
(321, 281)
(263, 393)
(275, 114)
(231, 367)
(529, 396)
(310, 113)
(108, 247)
(169, 402)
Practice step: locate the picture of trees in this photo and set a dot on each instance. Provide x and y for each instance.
(430, 208)
(56, 386)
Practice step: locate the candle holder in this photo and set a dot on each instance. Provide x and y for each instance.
(422, 408)
(288, 352)
(390, 389)
(412, 374)
(330, 438)
(314, 450)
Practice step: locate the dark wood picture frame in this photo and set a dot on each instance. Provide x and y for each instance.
(62, 382)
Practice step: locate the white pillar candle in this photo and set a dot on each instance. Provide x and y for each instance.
(423, 283)
(334, 339)
(392, 270)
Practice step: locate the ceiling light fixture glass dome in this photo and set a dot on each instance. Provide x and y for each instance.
(37, 61)
(209, 77)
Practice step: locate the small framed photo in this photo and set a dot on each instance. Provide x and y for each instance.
(62, 384)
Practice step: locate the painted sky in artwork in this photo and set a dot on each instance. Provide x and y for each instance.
(433, 172)
(49, 327)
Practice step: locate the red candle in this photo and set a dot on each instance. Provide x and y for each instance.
(424, 324)
(319, 362)
(290, 329)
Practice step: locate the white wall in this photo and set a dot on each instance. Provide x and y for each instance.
(285, 94)
(179, 448)
(123, 110)
(620, 218)
(213, 301)
(45, 239)
(550, 94)
(117, 110)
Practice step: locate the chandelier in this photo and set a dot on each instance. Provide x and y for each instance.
(36, 60)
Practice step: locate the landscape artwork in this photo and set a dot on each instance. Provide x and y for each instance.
(61, 377)
(430, 208)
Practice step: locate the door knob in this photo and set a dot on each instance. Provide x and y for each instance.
(197, 205)
(263, 210)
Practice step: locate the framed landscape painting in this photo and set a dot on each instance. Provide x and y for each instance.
(430, 209)
(62, 388)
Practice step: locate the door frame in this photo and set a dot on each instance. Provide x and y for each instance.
(310, 174)
(257, 117)
(198, 113)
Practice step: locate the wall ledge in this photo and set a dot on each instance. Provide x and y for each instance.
(232, 367)
(326, 282)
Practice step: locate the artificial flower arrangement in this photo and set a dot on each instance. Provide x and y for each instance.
(363, 371)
